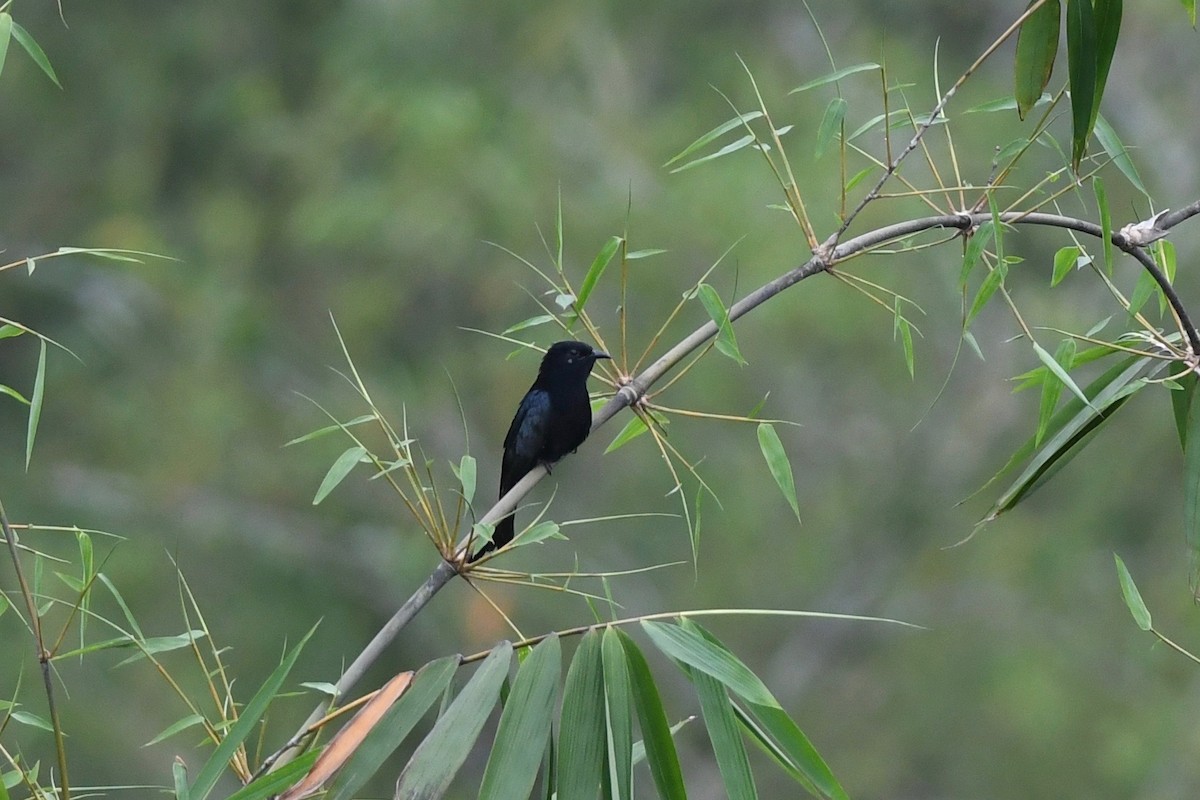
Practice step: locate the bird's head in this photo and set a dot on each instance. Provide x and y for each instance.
(570, 359)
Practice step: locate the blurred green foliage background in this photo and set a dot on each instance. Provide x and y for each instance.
(303, 159)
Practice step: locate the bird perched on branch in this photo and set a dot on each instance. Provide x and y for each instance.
(553, 419)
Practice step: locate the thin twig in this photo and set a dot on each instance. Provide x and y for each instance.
(43, 655)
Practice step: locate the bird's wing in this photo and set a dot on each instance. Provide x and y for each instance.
(526, 437)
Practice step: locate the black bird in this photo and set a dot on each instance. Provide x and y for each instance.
(553, 419)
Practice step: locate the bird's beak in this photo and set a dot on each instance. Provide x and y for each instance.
(599, 354)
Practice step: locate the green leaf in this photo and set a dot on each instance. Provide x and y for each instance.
(319, 432)
(1002, 104)
(35, 51)
(1071, 428)
(599, 264)
(179, 776)
(737, 122)
(904, 328)
(1052, 387)
(540, 532)
(726, 341)
(636, 254)
(1105, 223)
(732, 147)
(976, 245)
(723, 730)
(1133, 598)
(1164, 255)
(831, 123)
(1107, 14)
(1190, 7)
(858, 177)
(1037, 45)
(340, 469)
(393, 728)
(1010, 150)
(1057, 369)
(695, 651)
(1081, 64)
(1142, 292)
(618, 701)
(35, 403)
(783, 738)
(438, 758)
(190, 721)
(540, 319)
(6, 23)
(524, 728)
(277, 781)
(1191, 492)
(778, 464)
(246, 724)
(836, 75)
(634, 428)
(581, 729)
(993, 281)
(32, 720)
(1117, 151)
(466, 477)
(1181, 401)
(164, 644)
(656, 733)
(1064, 261)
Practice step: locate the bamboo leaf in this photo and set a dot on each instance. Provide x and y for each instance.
(1181, 401)
(1070, 430)
(351, 736)
(35, 401)
(581, 729)
(1105, 222)
(695, 651)
(726, 341)
(278, 780)
(1052, 387)
(1081, 64)
(1116, 150)
(618, 700)
(429, 684)
(6, 23)
(737, 122)
(634, 428)
(524, 727)
(656, 732)
(540, 319)
(338, 471)
(976, 245)
(1133, 598)
(834, 76)
(246, 723)
(164, 644)
(778, 464)
(1107, 14)
(1064, 261)
(831, 123)
(1191, 493)
(788, 742)
(190, 721)
(1037, 45)
(599, 264)
(35, 51)
(438, 758)
(723, 730)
